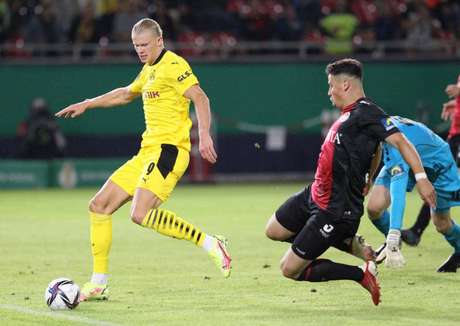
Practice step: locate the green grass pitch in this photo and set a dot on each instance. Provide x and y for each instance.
(156, 280)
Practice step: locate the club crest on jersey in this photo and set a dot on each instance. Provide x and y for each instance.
(152, 76)
(388, 123)
(396, 170)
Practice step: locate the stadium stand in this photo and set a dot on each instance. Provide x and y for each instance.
(91, 29)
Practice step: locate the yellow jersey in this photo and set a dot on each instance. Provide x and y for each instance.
(166, 109)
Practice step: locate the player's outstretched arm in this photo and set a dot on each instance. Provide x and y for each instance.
(410, 155)
(118, 96)
(448, 110)
(203, 113)
(398, 186)
(453, 90)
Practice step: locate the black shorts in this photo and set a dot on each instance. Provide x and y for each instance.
(454, 143)
(315, 229)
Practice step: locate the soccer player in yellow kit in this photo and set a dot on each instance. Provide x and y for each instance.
(167, 85)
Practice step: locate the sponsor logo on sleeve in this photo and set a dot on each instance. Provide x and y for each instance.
(185, 75)
(326, 230)
(387, 123)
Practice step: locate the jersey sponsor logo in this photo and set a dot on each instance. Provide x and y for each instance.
(333, 137)
(387, 123)
(326, 230)
(344, 117)
(396, 170)
(151, 94)
(186, 74)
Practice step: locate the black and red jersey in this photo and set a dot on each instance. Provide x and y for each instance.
(346, 156)
(455, 124)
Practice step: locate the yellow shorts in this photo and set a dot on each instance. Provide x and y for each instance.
(155, 168)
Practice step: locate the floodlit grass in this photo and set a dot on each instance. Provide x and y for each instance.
(161, 281)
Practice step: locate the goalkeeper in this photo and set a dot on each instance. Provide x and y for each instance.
(395, 178)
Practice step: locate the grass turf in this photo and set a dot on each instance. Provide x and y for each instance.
(161, 281)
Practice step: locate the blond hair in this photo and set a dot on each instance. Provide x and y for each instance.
(147, 24)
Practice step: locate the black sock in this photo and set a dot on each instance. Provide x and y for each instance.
(423, 219)
(323, 270)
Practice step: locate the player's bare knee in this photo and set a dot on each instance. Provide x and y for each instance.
(271, 233)
(288, 271)
(373, 212)
(92, 205)
(271, 230)
(98, 206)
(442, 223)
(137, 218)
(442, 226)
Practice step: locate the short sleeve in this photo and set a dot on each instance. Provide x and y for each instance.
(138, 83)
(182, 76)
(377, 123)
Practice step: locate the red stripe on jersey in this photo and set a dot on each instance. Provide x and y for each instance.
(321, 188)
(455, 124)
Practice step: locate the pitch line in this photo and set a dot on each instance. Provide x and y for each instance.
(57, 315)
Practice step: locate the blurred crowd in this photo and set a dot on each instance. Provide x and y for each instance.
(339, 26)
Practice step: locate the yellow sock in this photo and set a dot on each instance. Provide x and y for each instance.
(171, 225)
(101, 241)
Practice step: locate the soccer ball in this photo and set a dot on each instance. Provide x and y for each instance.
(62, 294)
